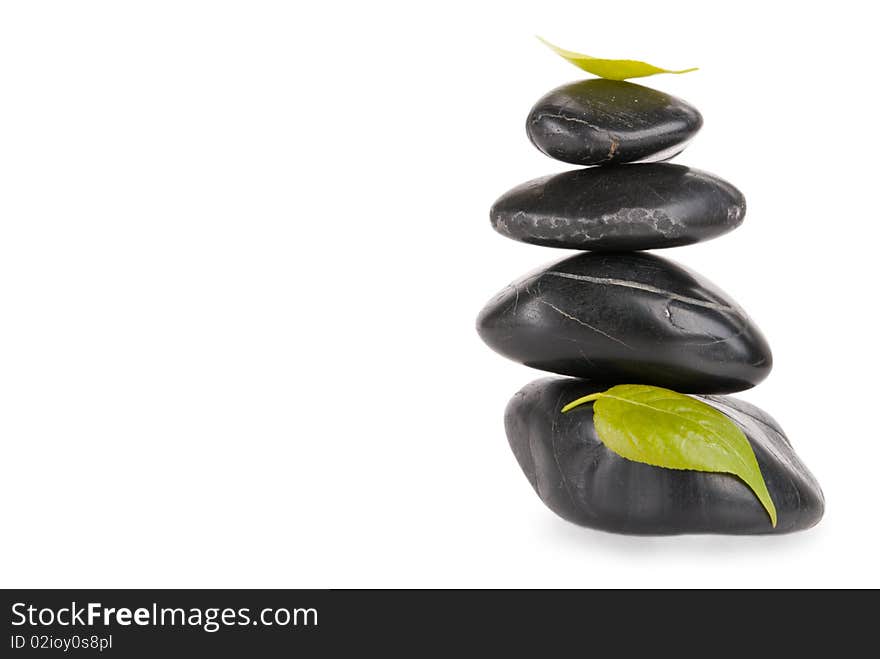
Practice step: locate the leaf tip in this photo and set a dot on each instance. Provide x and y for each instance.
(556, 49)
(767, 502)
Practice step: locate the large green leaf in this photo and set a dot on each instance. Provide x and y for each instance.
(613, 69)
(666, 429)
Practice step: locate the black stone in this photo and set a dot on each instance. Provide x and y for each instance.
(620, 208)
(627, 318)
(594, 122)
(581, 480)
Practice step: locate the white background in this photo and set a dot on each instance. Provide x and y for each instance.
(243, 245)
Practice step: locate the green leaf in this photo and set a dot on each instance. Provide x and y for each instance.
(613, 69)
(666, 429)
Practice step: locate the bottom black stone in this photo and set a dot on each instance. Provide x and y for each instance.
(584, 482)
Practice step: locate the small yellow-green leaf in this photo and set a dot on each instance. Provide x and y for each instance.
(666, 429)
(613, 69)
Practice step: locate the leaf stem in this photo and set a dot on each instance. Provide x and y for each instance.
(580, 401)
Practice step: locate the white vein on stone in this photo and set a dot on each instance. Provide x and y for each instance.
(550, 115)
(585, 324)
(644, 287)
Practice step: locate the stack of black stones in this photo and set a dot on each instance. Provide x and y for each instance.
(613, 314)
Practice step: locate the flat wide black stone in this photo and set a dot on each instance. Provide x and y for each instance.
(629, 207)
(595, 122)
(629, 317)
(581, 480)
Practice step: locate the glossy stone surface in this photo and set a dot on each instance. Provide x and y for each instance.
(642, 206)
(581, 480)
(627, 318)
(597, 122)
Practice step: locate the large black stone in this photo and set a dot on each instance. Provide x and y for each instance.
(595, 122)
(581, 480)
(620, 208)
(627, 318)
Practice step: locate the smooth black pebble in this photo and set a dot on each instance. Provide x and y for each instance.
(597, 122)
(581, 480)
(627, 318)
(631, 207)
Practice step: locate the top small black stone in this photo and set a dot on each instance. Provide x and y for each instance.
(596, 122)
